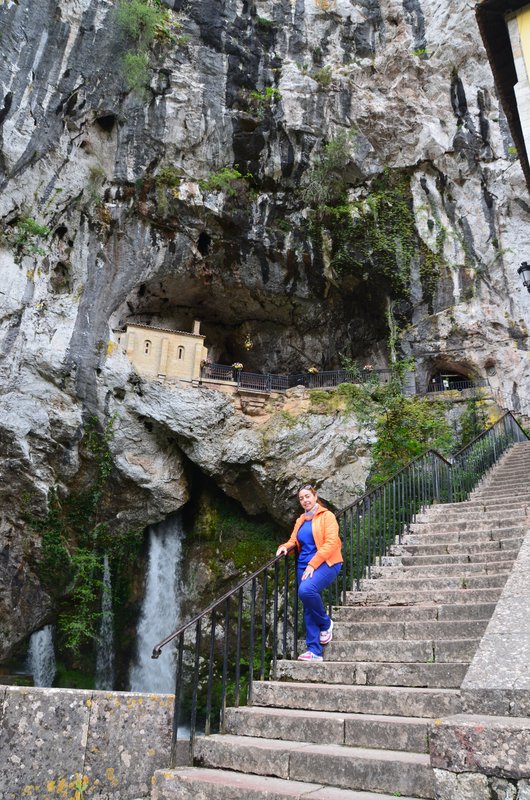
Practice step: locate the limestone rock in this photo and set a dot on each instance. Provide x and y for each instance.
(128, 185)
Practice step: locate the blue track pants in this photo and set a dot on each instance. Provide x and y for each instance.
(309, 592)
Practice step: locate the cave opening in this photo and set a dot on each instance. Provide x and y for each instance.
(106, 122)
(449, 379)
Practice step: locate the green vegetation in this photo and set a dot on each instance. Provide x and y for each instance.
(136, 71)
(168, 178)
(224, 532)
(473, 421)
(226, 179)
(143, 22)
(325, 184)
(263, 22)
(374, 238)
(404, 426)
(323, 76)
(74, 540)
(261, 101)
(25, 237)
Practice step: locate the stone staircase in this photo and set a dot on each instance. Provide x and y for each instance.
(355, 727)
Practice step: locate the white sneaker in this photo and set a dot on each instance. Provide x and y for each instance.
(309, 656)
(327, 636)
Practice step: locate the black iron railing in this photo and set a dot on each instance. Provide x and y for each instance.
(240, 637)
(450, 386)
(280, 383)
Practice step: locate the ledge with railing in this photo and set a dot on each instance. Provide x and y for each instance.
(240, 637)
(455, 386)
(280, 383)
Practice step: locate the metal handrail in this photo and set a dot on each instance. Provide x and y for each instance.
(257, 622)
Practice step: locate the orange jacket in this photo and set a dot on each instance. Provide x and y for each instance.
(326, 536)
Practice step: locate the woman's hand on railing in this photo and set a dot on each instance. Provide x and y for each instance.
(281, 551)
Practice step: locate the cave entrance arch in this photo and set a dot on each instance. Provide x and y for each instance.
(449, 379)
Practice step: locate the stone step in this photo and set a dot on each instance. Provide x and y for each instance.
(454, 558)
(358, 730)
(426, 584)
(472, 506)
(441, 675)
(396, 631)
(482, 522)
(455, 548)
(195, 783)
(409, 597)
(454, 537)
(439, 651)
(447, 569)
(471, 510)
(393, 700)
(507, 479)
(330, 764)
(498, 494)
(415, 613)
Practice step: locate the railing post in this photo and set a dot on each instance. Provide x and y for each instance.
(436, 481)
(177, 701)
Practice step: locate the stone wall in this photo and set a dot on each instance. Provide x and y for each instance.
(108, 742)
(484, 754)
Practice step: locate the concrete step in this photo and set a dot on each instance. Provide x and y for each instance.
(409, 597)
(426, 584)
(403, 651)
(396, 631)
(455, 548)
(415, 613)
(453, 558)
(195, 783)
(335, 765)
(357, 730)
(393, 700)
(444, 569)
(448, 675)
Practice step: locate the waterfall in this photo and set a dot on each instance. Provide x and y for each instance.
(105, 643)
(160, 609)
(41, 656)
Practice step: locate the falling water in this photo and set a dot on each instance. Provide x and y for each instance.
(105, 644)
(41, 656)
(160, 608)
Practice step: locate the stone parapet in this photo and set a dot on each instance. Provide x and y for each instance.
(494, 746)
(498, 679)
(479, 757)
(54, 741)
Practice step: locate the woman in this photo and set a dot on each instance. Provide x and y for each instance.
(316, 536)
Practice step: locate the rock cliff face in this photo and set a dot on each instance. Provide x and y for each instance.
(147, 220)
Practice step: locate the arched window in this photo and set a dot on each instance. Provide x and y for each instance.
(180, 353)
(147, 347)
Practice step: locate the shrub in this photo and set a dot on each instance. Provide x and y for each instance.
(141, 20)
(136, 71)
(226, 179)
